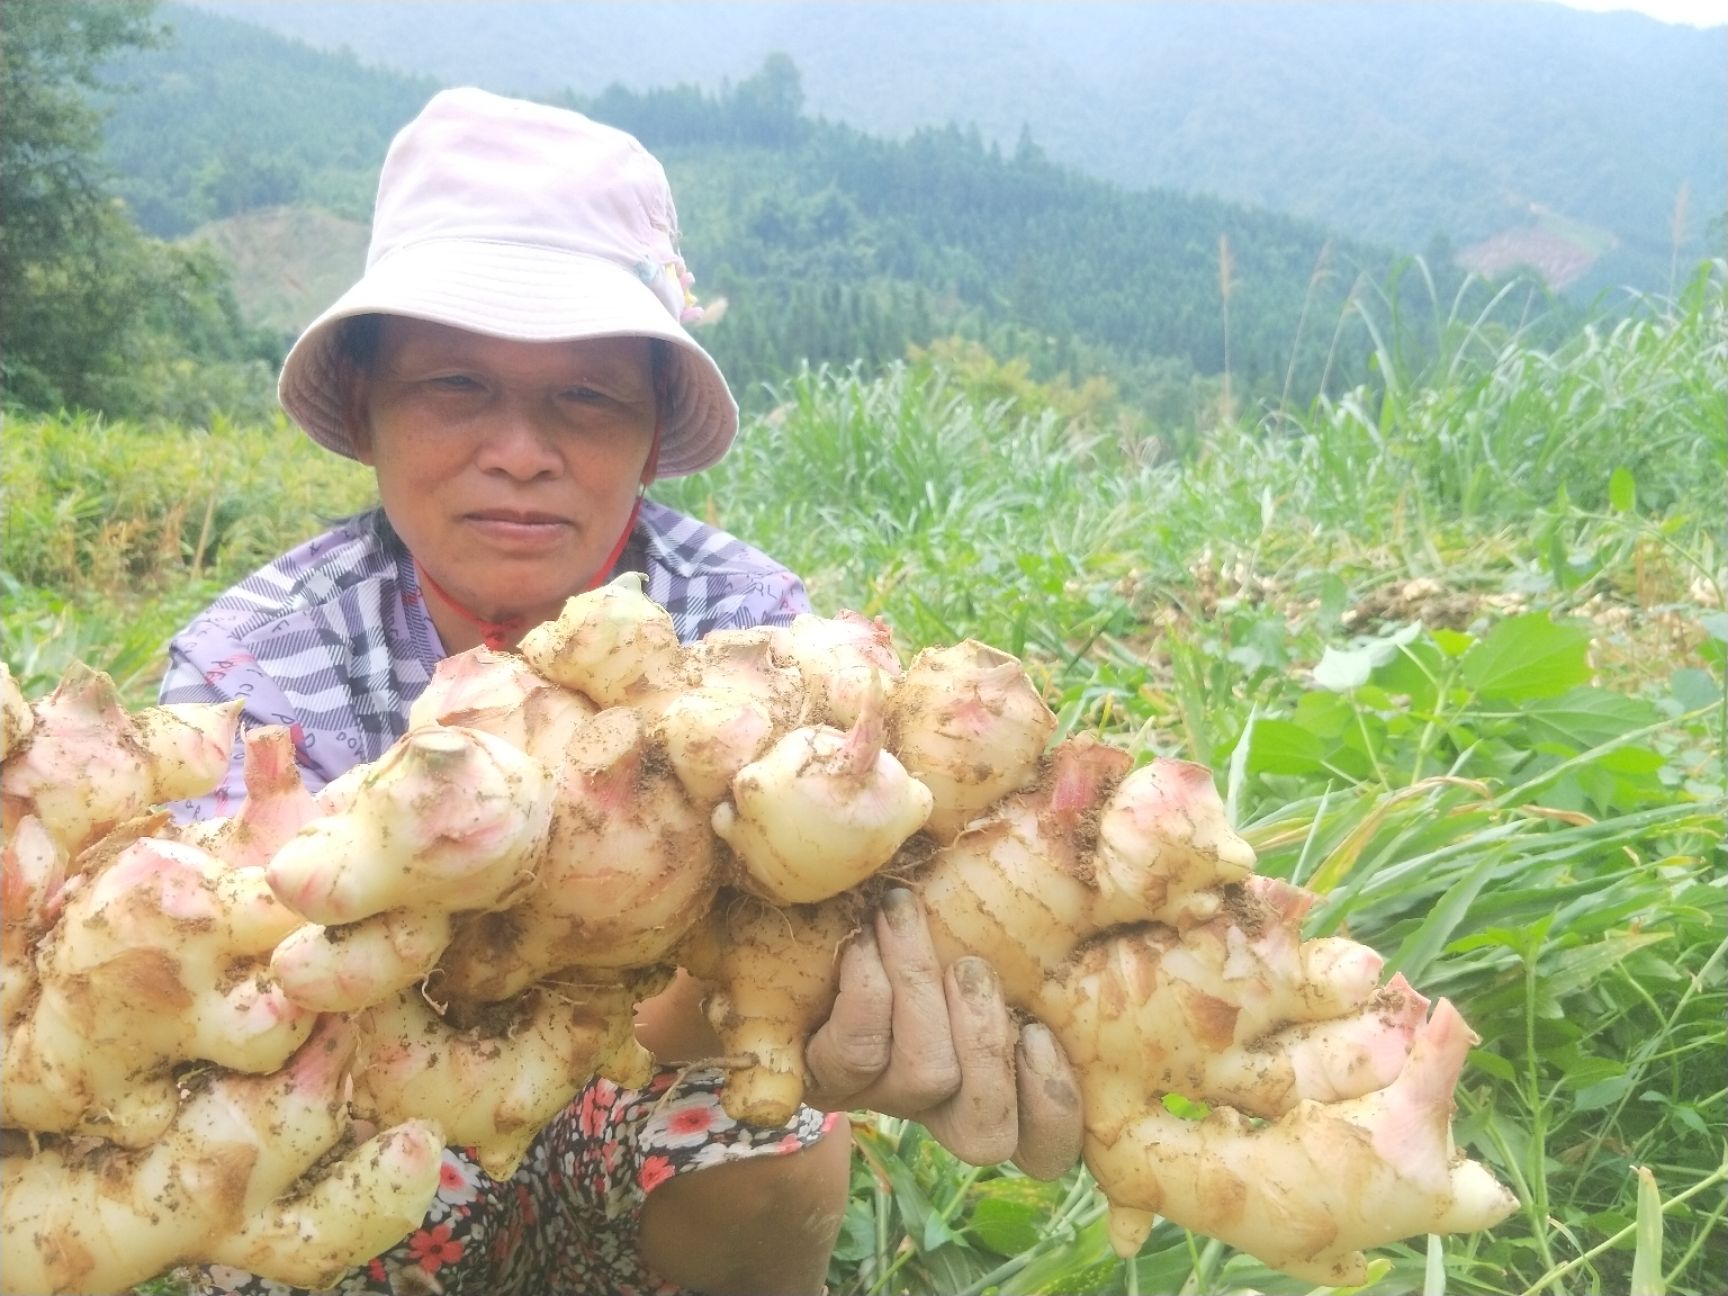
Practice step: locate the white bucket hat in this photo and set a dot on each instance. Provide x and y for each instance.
(524, 221)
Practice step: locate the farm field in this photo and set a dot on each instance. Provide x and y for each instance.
(1453, 644)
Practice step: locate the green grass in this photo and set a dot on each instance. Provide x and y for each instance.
(1454, 644)
(115, 534)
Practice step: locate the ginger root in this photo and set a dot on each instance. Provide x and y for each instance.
(559, 831)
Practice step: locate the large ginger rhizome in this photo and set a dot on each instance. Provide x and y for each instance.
(473, 917)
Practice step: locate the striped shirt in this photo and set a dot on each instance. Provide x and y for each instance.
(333, 638)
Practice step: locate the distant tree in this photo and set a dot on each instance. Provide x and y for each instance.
(60, 235)
(240, 180)
(92, 312)
(769, 106)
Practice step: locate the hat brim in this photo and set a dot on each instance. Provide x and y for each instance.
(510, 290)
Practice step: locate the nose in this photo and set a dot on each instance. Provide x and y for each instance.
(515, 441)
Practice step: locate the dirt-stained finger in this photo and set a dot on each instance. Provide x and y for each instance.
(1052, 1129)
(851, 1049)
(922, 1067)
(978, 1123)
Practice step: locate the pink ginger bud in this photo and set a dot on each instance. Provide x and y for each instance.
(277, 804)
(1017, 882)
(749, 661)
(628, 866)
(81, 727)
(32, 878)
(971, 727)
(447, 818)
(821, 811)
(710, 734)
(614, 644)
(87, 765)
(837, 656)
(1164, 846)
(500, 694)
(191, 745)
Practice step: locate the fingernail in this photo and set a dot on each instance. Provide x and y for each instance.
(901, 908)
(1040, 1046)
(977, 979)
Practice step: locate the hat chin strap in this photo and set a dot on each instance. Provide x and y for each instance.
(496, 635)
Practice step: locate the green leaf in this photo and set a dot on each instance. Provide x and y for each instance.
(1587, 717)
(1279, 747)
(1528, 657)
(1572, 969)
(1334, 598)
(1067, 1265)
(1434, 1271)
(1622, 490)
(1694, 689)
(1454, 643)
(1604, 1093)
(1559, 561)
(1325, 715)
(1715, 625)
(937, 1234)
(1011, 1214)
(1343, 669)
(1415, 673)
(1426, 942)
(1632, 760)
(1492, 1063)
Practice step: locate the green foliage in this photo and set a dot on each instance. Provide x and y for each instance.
(1389, 123)
(224, 118)
(829, 247)
(114, 534)
(97, 315)
(1507, 782)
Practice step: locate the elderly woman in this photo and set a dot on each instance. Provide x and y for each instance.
(513, 367)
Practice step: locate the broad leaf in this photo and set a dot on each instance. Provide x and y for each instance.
(1343, 669)
(1012, 1215)
(1279, 747)
(1528, 657)
(1587, 717)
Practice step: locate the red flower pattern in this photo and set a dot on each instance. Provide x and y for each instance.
(505, 1241)
(434, 1248)
(692, 1119)
(655, 1171)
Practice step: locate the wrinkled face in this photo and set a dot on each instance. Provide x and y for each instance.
(509, 468)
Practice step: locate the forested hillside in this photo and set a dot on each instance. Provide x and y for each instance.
(224, 117)
(1395, 123)
(828, 244)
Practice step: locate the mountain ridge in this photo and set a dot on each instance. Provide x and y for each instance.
(1398, 124)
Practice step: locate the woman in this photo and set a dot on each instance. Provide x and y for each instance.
(513, 367)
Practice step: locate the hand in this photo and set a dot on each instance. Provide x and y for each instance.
(908, 1039)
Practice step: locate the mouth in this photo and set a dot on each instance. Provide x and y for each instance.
(519, 532)
(517, 517)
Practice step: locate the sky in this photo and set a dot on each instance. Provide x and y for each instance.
(1695, 13)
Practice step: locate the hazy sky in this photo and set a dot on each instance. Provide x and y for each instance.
(1697, 13)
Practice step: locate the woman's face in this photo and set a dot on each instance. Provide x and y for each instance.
(508, 468)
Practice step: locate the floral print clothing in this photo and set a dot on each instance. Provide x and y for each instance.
(567, 1221)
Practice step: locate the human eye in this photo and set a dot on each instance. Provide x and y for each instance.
(584, 394)
(453, 382)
